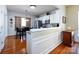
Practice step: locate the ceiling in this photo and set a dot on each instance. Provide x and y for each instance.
(40, 9)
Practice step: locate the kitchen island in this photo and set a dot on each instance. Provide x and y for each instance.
(43, 40)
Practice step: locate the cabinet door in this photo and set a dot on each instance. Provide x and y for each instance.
(67, 39)
(55, 18)
(51, 18)
(46, 17)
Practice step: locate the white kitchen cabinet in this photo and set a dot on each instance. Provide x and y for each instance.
(57, 15)
(43, 18)
(46, 17)
(54, 18)
(43, 41)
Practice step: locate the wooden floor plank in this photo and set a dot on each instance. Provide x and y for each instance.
(63, 49)
(15, 46)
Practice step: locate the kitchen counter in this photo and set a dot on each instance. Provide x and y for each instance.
(41, 29)
(44, 40)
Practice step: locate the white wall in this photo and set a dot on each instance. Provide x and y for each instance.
(72, 20)
(3, 25)
(6, 22)
(62, 12)
(11, 14)
(72, 17)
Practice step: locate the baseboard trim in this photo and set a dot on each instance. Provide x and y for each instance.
(11, 35)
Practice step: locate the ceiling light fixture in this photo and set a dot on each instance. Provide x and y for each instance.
(32, 6)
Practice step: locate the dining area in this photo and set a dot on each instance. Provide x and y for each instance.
(21, 32)
(22, 25)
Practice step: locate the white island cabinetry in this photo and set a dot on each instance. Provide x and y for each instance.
(42, 41)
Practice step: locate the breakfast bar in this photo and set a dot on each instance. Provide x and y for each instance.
(43, 40)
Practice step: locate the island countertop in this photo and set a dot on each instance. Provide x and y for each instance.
(41, 29)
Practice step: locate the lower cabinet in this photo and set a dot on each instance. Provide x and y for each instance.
(67, 38)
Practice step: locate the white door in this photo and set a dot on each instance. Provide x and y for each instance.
(2, 36)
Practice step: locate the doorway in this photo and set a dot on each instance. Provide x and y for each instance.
(22, 22)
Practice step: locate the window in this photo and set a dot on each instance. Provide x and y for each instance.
(23, 22)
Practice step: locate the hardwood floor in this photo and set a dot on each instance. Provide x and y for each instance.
(14, 46)
(63, 49)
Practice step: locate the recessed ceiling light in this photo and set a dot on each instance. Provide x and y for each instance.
(32, 6)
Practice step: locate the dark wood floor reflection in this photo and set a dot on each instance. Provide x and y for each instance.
(14, 46)
(63, 49)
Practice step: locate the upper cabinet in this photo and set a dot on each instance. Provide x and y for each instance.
(54, 18)
(46, 17)
(43, 18)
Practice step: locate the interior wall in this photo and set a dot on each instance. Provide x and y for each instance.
(3, 25)
(11, 14)
(62, 12)
(72, 17)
